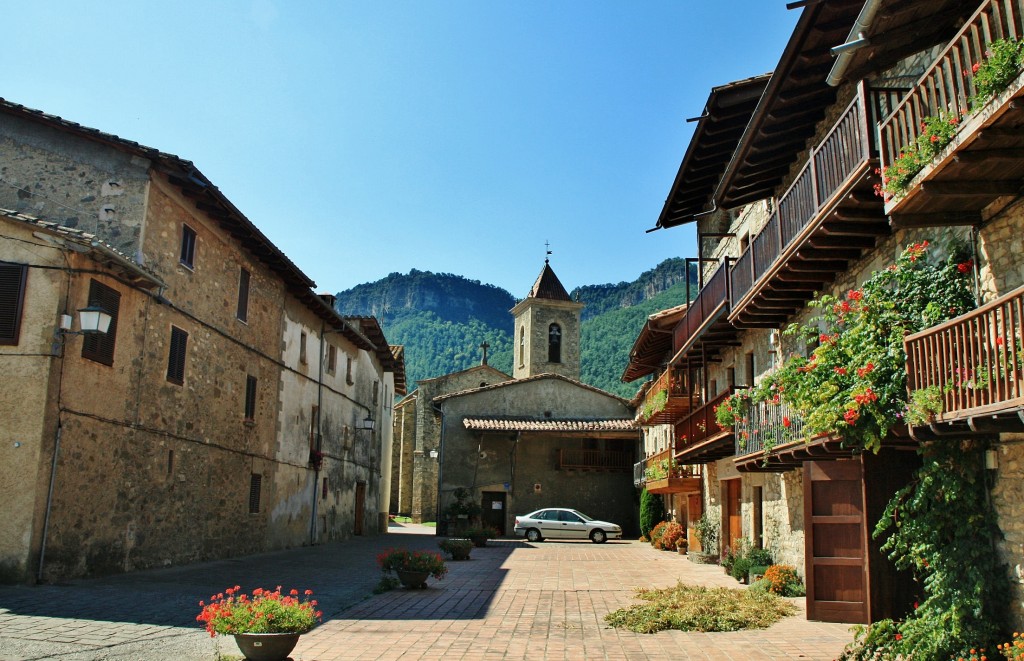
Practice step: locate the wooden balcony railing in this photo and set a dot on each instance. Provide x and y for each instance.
(701, 424)
(974, 363)
(771, 424)
(945, 87)
(659, 466)
(667, 400)
(841, 155)
(710, 301)
(577, 459)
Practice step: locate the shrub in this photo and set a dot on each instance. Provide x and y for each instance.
(406, 560)
(457, 549)
(783, 580)
(760, 557)
(656, 534)
(479, 536)
(706, 531)
(652, 510)
(1003, 61)
(693, 608)
(740, 567)
(670, 536)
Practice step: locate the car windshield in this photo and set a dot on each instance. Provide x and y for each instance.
(582, 515)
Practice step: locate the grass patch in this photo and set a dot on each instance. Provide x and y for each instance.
(429, 524)
(691, 608)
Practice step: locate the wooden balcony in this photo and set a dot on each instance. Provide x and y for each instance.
(670, 407)
(594, 460)
(974, 364)
(661, 476)
(699, 439)
(828, 218)
(705, 329)
(781, 429)
(983, 167)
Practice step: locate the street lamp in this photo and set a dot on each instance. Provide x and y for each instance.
(92, 320)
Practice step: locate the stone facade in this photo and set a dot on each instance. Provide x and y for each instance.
(534, 318)
(182, 444)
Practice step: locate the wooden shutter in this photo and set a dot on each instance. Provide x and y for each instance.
(100, 346)
(176, 356)
(12, 299)
(250, 397)
(255, 482)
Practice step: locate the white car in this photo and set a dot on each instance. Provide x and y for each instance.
(562, 523)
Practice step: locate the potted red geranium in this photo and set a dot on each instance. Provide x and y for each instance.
(266, 625)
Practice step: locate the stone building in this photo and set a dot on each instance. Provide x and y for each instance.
(778, 182)
(185, 432)
(517, 444)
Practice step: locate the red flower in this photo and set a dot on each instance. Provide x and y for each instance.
(855, 295)
(1000, 341)
(864, 371)
(974, 69)
(841, 371)
(899, 636)
(851, 416)
(786, 422)
(964, 267)
(934, 138)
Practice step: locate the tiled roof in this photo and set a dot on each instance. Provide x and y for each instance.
(509, 423)
(548, 286)
(535, 377)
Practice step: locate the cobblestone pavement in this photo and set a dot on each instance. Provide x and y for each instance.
(512, 600)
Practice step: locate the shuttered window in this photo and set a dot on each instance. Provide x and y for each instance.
(176, 356)
(12, 299)
(243, 296)
(255, 482)
(250, 397)
(100, 346)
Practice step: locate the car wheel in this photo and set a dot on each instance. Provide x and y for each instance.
(598, 536)
(533, 535)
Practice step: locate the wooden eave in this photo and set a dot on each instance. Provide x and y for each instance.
(720, 126)
(653, 344)
(827, 447)
(792, 104)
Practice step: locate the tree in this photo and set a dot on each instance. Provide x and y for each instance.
(652, 511)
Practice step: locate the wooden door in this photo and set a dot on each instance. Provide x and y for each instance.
(732, 521)
(694, 510)
(493, 510)
(360, 506)
(835, 540)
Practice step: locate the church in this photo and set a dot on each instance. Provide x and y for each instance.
(509, 445)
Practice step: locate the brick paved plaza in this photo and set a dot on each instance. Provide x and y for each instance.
(512, 600)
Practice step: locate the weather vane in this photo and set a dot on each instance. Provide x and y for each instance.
(547, 251)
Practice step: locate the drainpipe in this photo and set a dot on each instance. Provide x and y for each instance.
(319, 434)
(855, 40)
(440, 472)
(49, 502)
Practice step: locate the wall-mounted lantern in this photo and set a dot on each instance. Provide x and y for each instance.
(92, 320)
(366, 424)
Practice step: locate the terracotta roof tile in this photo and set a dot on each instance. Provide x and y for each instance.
(511, 423)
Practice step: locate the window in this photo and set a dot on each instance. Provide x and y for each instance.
(255, 482)
(522, 345)
(302, 348)
(730, 376)
(332, 358)
(188, 246)
(176, 356)
(348, 370)
(554, 343)
(751, 367)
(314, 420)
(243, 296)
(12, 299)
(323, 490)
(250, 398)
(100, 346)
(376, 392)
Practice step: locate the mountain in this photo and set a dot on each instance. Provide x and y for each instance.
(442, 319)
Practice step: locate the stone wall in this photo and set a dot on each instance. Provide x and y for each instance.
(404, 439)
(536, 315)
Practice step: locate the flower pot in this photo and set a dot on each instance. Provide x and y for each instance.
(412, 579)
(266, 646)
(460, 554)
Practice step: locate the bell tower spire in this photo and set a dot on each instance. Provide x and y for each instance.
(547, 328)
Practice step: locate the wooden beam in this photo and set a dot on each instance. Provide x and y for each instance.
(996, 134)
(805, 276)
(983, 155)
(855, 229)
(972, 188)
(942, 219)
(858, 215)
(825, 254)
(835, 265)
(865, 243)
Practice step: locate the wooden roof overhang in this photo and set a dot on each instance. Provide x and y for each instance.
(793, 102)
(705, 329)
(653, 345)
(719, 128)
(827, 447)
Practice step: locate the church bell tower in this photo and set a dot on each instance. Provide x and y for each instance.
(547, 330)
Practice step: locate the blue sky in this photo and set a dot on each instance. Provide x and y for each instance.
(374, 137)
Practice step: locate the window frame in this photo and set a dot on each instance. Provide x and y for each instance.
(187, 252)
(242, 309)
(100, 347)
(251, 385)
(555, 343)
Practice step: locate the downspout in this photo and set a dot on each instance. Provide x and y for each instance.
(319, 435)
(855, 40)
(440, 473)
(49, 501)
